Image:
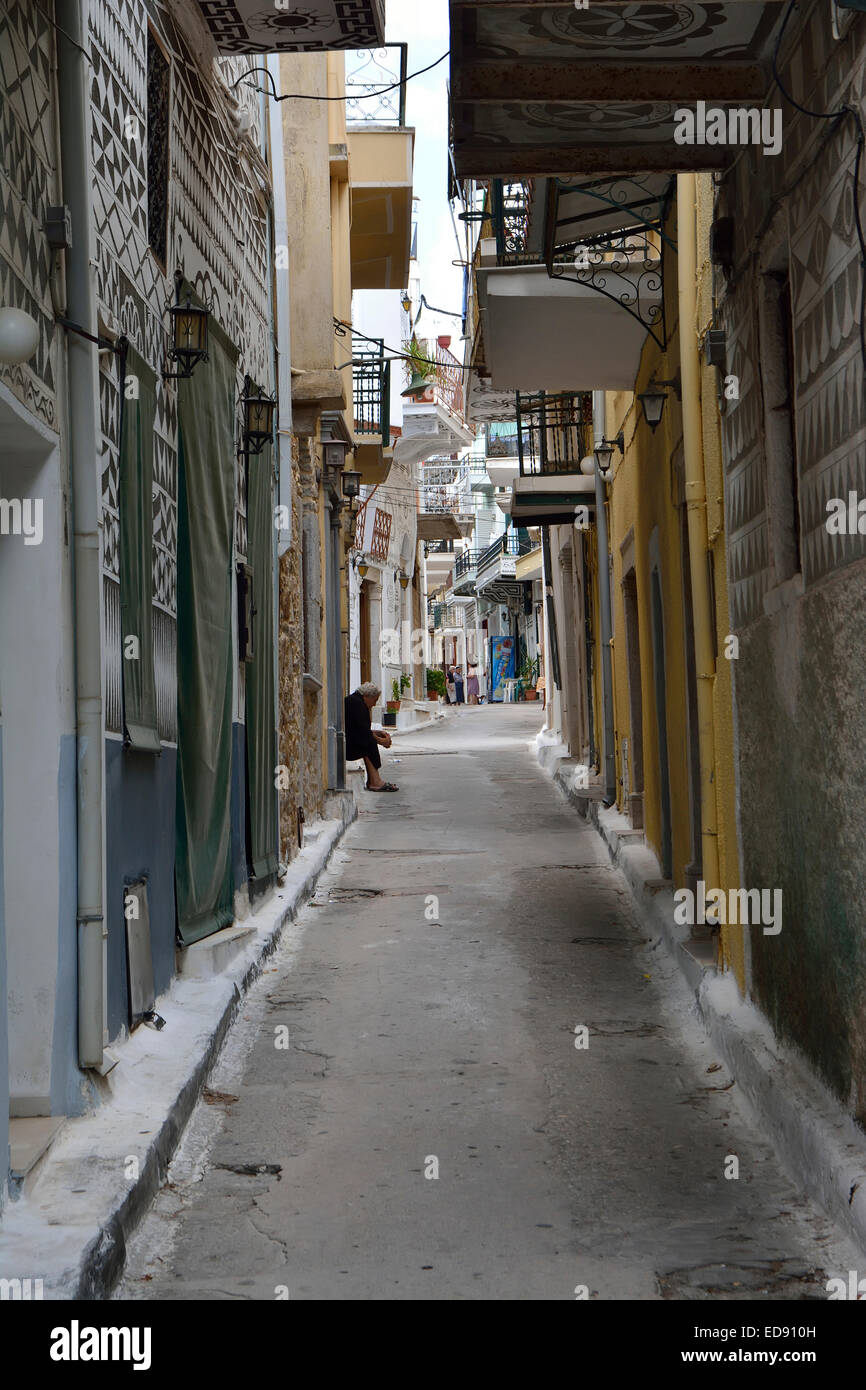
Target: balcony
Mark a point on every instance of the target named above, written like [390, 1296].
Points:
[434, 421]
[546, 88]
[554, 434]
[497, 566]
[371, 391]
[248, 26]
[381, 153]
[439, 513]
[464, 573]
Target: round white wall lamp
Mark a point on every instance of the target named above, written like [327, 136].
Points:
[19, 336]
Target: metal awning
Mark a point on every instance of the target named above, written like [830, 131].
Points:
[551, 500]
[545, 334]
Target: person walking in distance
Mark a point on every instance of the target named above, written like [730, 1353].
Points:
[472, 685]
[459, 698]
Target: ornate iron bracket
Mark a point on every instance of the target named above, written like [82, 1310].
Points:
[624, 263]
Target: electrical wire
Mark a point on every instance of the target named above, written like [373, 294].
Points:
[398, 356]
[305, 96]
[67, 36]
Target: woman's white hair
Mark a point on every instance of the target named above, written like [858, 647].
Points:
[368, 688]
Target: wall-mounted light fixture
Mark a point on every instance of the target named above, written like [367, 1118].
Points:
[189, 332]
[258, 418]
[603, 453]
[402, 577]
[406, 302]
[653, 399]
[351, 483]
[19, 336]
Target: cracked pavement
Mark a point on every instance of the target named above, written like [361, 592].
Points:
[302, 1173]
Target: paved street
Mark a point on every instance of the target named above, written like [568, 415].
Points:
[414, 1043]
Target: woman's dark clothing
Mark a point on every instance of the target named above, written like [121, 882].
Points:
[360, 742]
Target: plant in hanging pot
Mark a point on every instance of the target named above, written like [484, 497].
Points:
[420, 371]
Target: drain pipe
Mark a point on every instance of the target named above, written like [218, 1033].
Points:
[598, 424]
[83, 442]
[696, 514]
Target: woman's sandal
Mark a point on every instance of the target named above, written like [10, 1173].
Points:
[385, 787]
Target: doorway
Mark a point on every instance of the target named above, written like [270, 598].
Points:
[658, 635]
[364, 627]
[635, 699]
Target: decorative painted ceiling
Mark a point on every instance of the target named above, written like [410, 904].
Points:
[546, 88]
[300, 26]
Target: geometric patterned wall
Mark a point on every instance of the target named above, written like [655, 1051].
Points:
[28, 185]
[218, 237]
[811, 182]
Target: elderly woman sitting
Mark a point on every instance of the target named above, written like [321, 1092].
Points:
[361, 740]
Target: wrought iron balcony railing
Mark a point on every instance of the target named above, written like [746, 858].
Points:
[466, 564]
[371, 389]
[510, 207]
[509, 543]
[554, 432]
[368, 72]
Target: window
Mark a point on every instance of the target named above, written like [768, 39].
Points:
[158, 130]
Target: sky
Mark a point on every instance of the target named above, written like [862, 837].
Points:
[423, 24]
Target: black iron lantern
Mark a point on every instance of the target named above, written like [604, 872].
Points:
[258, 418]
[603, 453]
[189, 332]
[653, 404]
[404, 579]
[351, 483]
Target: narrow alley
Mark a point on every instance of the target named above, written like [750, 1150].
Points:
[429, 1127]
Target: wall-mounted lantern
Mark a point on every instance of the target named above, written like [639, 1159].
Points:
[653, 399]
[19, 336]
[351, 483]
[403, 578]
[189, 332]
[258, 418]
[603, 453]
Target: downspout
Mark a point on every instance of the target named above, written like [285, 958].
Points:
[83, 443]
[598, 425]
[696, 514]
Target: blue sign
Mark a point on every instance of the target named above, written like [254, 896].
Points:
[501, 665]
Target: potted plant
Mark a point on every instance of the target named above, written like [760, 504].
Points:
[528, 675]
[394, 703]
[435, 683]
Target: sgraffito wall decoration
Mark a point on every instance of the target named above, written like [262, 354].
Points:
[28, 186]
[216, 233]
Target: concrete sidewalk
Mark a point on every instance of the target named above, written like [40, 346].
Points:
[818, 1143]
[473, 1078]
[70, 1226]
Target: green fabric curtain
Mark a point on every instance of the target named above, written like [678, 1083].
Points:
[206, 489]
[261, 723]
[135, 501]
